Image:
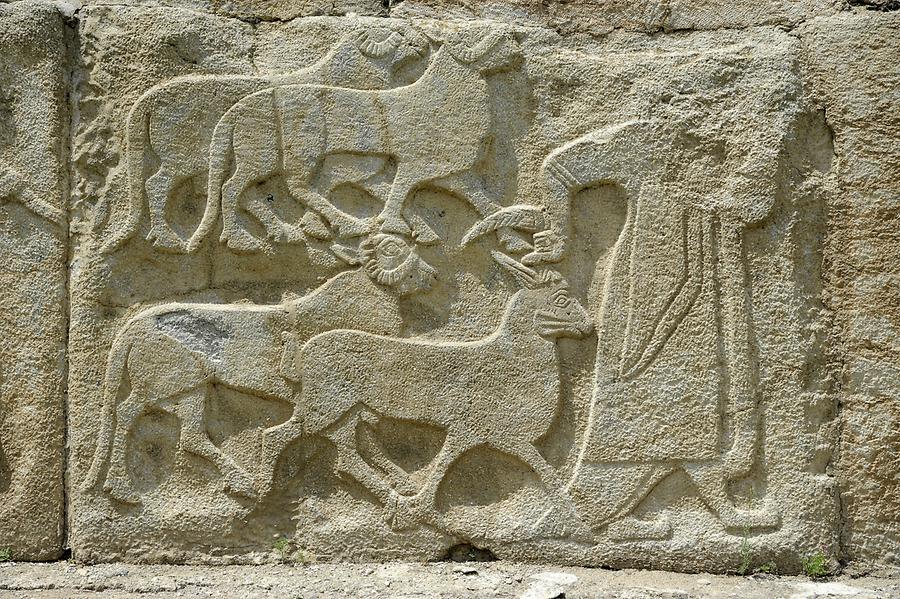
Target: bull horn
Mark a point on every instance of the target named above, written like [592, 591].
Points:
[519, 216]
[373, 49]
[470, 55]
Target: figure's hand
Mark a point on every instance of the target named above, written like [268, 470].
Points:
[548, 247]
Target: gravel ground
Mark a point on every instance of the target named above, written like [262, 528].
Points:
[398, 580]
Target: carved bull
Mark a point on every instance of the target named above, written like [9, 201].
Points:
[172, 354]
[174, 122]
[434, 132]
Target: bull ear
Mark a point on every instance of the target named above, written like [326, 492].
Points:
[525, 276]
[348, 254]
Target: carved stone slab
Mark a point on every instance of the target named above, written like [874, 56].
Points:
[371, 289]
[33, 126]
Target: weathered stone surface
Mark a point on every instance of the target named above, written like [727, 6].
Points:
[254, 11]
[599, 17]
[381, 287]
[853, 63]
[33, 175]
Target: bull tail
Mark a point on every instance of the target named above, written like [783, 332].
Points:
[115, 368]
[136, 134]
[219, 158]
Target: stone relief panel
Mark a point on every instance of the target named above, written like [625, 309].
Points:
[33, 127]
[376, 288]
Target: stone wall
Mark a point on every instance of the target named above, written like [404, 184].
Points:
[595, 283]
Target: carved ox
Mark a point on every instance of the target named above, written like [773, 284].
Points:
[172, 354]
[174, 122]
[433, 131]
[502, 391]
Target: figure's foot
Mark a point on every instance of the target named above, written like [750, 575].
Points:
[239, 483]
[121, 490]
[164, 238]
[633, 529]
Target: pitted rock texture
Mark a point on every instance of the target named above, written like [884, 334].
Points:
[33, 186]
[608, 284]
[864, 256]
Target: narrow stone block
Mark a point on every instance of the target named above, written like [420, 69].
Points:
[33, 184]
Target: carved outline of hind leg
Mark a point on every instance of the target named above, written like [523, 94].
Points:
[422, 507]
[194, 439]
[346, 224]
[351, 464]
[274, 441]
[118, 481]
[159, 187]
[235, 237]
[397, 477]
[553, 484]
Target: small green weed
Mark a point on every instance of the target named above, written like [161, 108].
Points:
[282, 546]
[767, 568]
[289, 552]
[817, 566]
[746, 556]
[5, 554]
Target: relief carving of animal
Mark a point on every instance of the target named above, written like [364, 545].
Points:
[172, 355]
[502, 391]
[174, 122]
[435, 131]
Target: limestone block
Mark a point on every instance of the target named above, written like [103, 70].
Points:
[853, 64]
[254, 11]
[599, 17]
[375, 288]
[33, 144]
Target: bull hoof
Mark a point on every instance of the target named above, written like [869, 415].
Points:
[403, 513]
[121, 491]
[164, 238]
[240, 242]
[240, 484]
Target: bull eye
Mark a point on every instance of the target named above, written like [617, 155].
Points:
[560, 299]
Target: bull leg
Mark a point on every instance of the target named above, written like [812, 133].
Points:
[194, 439]
[351, 464]
[237, 238]
[118, 481]
[274, 441]
[555, 487]
[422, 507]
[346, 224]
[160, 187]
[710, 481]
[391, 217]
[397, 476]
